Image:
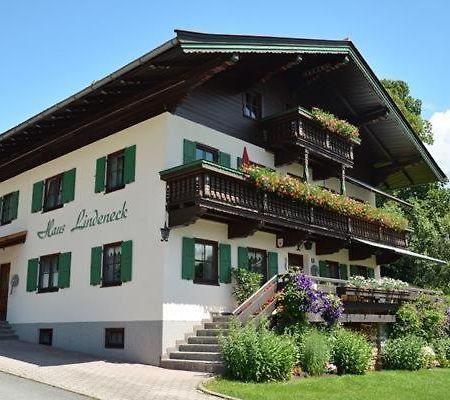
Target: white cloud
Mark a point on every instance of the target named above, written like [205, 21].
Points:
[440, 149]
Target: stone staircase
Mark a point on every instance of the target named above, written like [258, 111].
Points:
[6, 332]
[201, 352]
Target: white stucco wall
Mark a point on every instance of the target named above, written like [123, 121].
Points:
[145, 202]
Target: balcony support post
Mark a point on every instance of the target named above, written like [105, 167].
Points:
[306, 166]
[243, 228]
[343, 185]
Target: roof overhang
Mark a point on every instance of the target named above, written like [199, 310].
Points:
[398, 251]
[159, 80]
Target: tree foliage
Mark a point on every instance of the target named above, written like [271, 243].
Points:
[410, 107]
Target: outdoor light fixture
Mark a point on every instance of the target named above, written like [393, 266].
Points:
[306, 244]
[165, 232]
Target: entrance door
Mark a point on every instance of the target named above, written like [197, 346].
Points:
[4, 287]
[295, 262]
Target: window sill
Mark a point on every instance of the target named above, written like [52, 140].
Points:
[111, 284]
[48, 290]
[202, 282]
[5, 222]
[114, 347]
[45, 209]
[115, 189]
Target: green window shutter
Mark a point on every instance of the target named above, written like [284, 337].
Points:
[100, 170]
[272, 263]
[32, 274]
[64, 270]
[239, 162]
[242, 257]
[353, 270]
[323, 269]
[224, 160]
[96, 265]
[68, 185]
[224, 263]
[371, 272]
[1, 206]
[14, 205]
[343, 272]
[188, 259]
[126, 261]
[38, 194]
[129, 164]
[188, 151]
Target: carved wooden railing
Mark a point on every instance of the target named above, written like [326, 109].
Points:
[296, 127]
[219, 190]
[260, 303]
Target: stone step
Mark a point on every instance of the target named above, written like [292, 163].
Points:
[209, 348]
[9, 337]
[216, 325]
[191, 355]
[212, 332]
[203, 340]
[5, 329]
[221, 318]
[215, 367]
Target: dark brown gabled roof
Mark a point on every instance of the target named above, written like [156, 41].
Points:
[159, 80]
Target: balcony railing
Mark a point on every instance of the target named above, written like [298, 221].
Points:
[207, 190]
[296, 128]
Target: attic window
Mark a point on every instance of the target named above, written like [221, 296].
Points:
[252, 105]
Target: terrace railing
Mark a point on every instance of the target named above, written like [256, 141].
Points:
[213, 191]
[296, 127]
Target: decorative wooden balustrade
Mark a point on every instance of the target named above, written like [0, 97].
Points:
[296, 128]
[207, 190]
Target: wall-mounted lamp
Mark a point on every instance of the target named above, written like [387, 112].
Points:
[306, 244]
[165, 232]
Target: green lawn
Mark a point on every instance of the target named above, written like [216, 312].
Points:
[431, 384]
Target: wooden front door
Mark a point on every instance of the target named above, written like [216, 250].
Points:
[4, 288]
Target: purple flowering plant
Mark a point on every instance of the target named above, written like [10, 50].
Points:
[312, 300]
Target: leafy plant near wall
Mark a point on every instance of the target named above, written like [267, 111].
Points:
[245, 283]
[303, 192]
[404, 353]
[254, 353]
[339, 126]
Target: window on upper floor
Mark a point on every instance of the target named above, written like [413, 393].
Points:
[205, 262]
[252, 107]
[115, 171]
[9, 204]
[53, 193]
[203, 152]
[48, 273]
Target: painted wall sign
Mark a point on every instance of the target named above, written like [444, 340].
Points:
[85, 219]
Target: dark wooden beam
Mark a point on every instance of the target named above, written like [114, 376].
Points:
[371, 116]
[356, 253]
[329, 246]
[185, 216]
[287, 156]
[313, 74]
[243, 228]
[387, 258]
[291, 238]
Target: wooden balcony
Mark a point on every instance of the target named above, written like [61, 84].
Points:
[288, 133]
[207, 190]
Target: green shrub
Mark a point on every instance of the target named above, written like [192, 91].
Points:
[425, 317]
[290, 301]
[245, 283]
[254, 353]
[351, 352]
[404, 353]
[442, 350]
[314, 352]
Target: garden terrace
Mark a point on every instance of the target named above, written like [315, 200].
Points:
[290, 133]
[206, 190]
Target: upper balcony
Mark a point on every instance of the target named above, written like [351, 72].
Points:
[206, 190]
[288, 133]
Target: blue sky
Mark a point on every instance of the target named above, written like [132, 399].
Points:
[50, 49]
